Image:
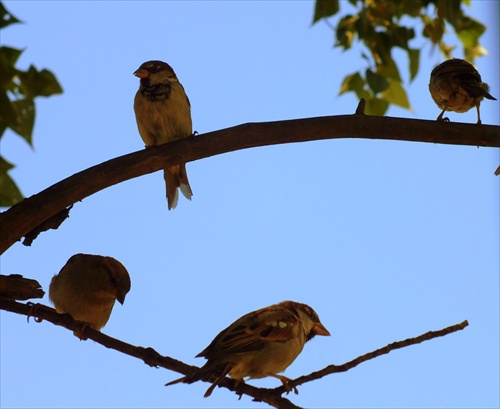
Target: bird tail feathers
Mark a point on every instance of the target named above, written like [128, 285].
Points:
[176, 177]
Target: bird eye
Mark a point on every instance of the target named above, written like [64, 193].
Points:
[112, 279]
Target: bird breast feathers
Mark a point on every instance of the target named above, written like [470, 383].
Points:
[164, 121]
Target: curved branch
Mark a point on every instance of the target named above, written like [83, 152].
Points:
[151, 357]
[31, 212]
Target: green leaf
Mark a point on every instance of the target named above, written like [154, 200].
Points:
[345, 32]
[363, 25]
[395, 94]
[9, 192]
[412, 8]
[38, 83]
[5, 166]
[6, 18]
[380, 45]
[8, 115]
[376, 106]
[10, 55]
[354, 83]
[376, 82]
[434, 29]
[401, 35]
[469, 31]
[8, 58]
[25, 111]
[414, 57]
[325, 8]
[451, 11]
[389, 70]
[471, 53]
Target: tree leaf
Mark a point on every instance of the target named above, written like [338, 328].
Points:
[5, 166]
[433, 29]
[451, 11]
[380, 45]
[376, 82]
[38, 83]
[412, 8]
[471, 53]
[363, 25]
[11, 55]
[6, 18]
[414, 57]
[401, 35]
[354, 83]
[325, 8]
[8, 115]
[25, 112]
[389, 70]
[395, 94]
[8, 58]
[9, 192]
[469, 31]
[376, 106]
[345, 32]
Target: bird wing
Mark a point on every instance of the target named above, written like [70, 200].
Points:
[252, 331]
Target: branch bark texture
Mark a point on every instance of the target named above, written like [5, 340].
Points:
[27, 215]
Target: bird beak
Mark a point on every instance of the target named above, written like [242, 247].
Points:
[121, 299]
[319, 329]
[142, 73]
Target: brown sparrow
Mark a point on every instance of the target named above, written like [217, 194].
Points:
[259, 344]
[163, 114]
[87, 287]
[455, 85]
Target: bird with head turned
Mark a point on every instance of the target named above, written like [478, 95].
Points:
[163, 114]
[87, 286]
[261, 343]
[455, 85]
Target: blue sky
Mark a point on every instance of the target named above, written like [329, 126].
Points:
[385, 240]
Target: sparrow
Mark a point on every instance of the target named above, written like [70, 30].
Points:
[163, 114]
[87, 287]
[455, 85]
[259, 344]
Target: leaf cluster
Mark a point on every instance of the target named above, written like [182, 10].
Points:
[383, 25]
[18, 89]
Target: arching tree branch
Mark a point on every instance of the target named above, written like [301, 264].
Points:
[273, 396]
[31, 212]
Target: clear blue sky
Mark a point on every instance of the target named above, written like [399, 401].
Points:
[385, 240]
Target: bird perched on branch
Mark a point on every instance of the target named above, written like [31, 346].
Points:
[455, 85]
[163, 114]
[87, 286]
[259, 344]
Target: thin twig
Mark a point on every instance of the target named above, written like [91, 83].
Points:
[273, 396]
[330, 369]
[360, 110]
